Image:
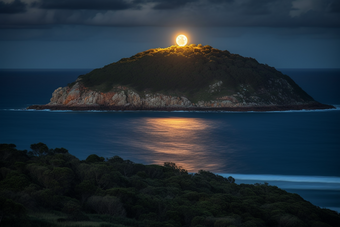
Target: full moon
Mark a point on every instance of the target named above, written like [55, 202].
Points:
[181, 40]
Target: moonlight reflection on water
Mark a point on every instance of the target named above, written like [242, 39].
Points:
[184, 141]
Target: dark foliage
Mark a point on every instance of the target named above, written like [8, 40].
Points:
[122, 193]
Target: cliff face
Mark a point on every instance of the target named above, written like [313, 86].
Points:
[79, 95]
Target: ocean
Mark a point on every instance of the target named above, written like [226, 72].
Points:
[298, 151]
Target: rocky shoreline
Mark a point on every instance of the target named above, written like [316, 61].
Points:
[314, 106]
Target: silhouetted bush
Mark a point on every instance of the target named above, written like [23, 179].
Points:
[94, 158]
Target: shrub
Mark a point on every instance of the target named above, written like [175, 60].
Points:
[94, 158]
[110, 205]
[12, 213]
[39, 149]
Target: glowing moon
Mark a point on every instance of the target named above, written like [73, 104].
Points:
[181, 40]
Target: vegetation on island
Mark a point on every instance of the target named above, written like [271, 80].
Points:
[50, 187]
[188, 71]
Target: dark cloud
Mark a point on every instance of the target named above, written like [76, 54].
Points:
[84, 4]
[116, 4]
[221, 1]
[175, 4]
[257, 7]
[14, 7]
[170, 4]
[335, 6]
[250, 13]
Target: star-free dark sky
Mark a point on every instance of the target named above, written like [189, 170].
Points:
[93, 33]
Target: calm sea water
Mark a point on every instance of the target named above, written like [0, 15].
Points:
[298, 151]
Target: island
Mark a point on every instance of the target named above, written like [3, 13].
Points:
[191, 77]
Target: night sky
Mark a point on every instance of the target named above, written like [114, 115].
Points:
[93, 33]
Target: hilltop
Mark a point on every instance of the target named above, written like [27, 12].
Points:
[193, 76]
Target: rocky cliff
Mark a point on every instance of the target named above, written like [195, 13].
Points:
[182, 77]
[79, 95]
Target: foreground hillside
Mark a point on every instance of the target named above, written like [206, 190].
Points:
[188, 77]
[50, 187]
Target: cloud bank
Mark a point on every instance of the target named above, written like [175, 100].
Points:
[250, 13]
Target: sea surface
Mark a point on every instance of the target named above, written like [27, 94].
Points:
[298, 151]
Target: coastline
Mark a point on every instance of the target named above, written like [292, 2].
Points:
[314, 106]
